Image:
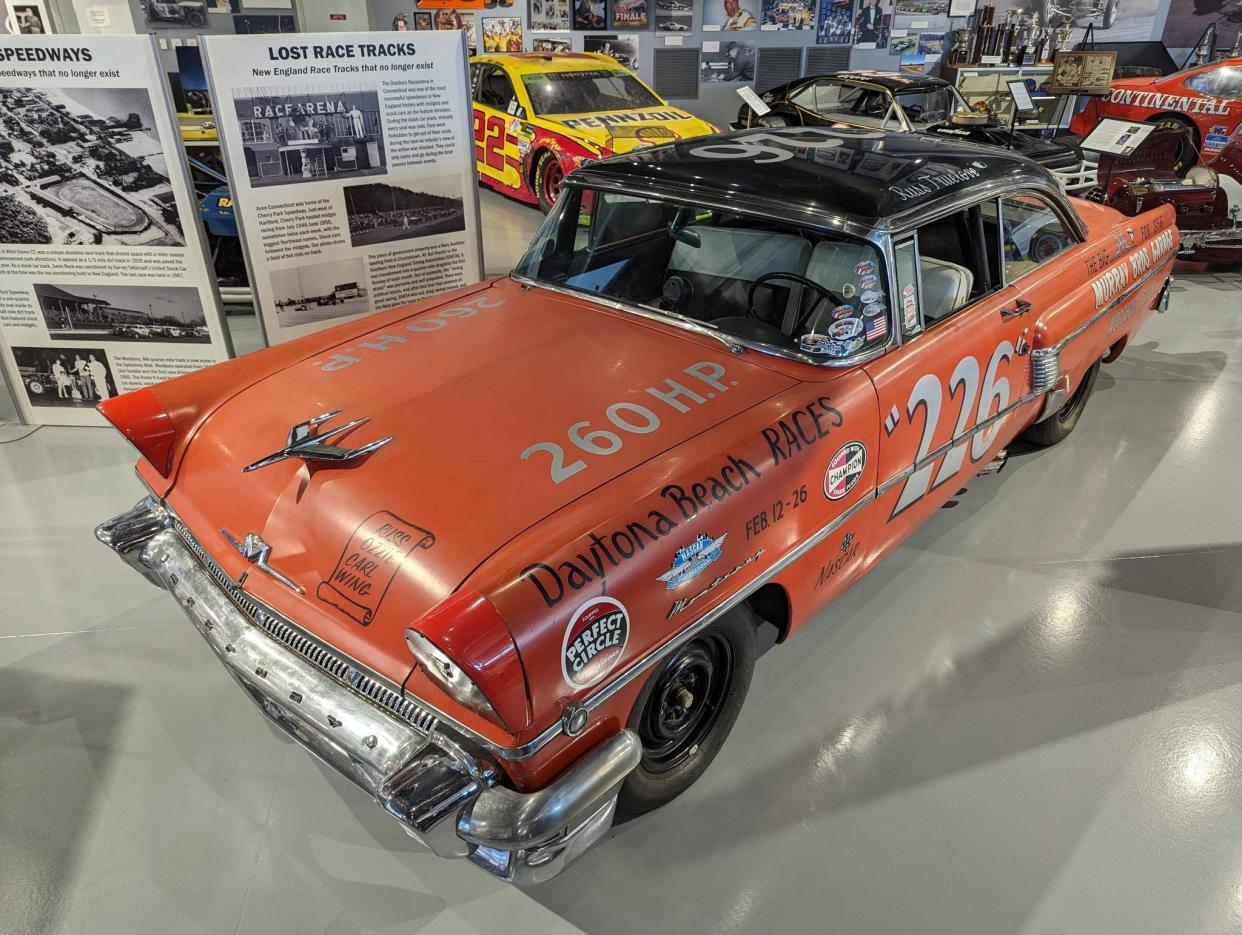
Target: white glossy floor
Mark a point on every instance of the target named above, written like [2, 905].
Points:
[1029, 720]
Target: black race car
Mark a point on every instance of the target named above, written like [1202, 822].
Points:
[911, 104]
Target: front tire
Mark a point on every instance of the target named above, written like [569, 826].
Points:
[1056, 427]
[548, 178]
[1110, 14]
[687, 708]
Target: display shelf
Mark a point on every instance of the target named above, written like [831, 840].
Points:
[986, 83]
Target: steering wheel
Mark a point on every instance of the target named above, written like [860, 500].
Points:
[820, 292]
[913, 111]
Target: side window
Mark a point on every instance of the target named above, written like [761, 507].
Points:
[1032, 234]
[1225, 82]
[496, 90]
[905, 267]
[475, 68]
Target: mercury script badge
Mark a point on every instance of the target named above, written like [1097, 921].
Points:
[254, 550]
[306, 443]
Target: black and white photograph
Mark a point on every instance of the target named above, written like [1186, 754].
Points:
[316, 292]
[30, 18]
[379, 212]
[250, 24]
[549, 15]
[623, 49]
[674, 16]
[155, 314]
[65, 376]
[550, 45]
[734, 62]
[175, 14]
[304, 136]
[81, 166]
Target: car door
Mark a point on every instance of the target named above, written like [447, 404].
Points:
[951, 393]
[496, 106]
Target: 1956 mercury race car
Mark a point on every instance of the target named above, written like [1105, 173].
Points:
[499, 557]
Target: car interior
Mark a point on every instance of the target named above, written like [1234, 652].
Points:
[747, 276]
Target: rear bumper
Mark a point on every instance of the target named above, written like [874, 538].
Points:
[441, 790]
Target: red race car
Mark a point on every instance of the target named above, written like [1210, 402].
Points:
[1205, 100]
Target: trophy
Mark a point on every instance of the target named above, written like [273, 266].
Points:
[1021, 40]
[1061, 39]
[960, 53]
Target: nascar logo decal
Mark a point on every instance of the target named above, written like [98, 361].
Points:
[594, 641]
[844, 469]
[692, 560]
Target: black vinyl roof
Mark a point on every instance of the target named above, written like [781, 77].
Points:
[866, 176]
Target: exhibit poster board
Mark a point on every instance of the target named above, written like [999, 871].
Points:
[1082, 72]
[351, 157]
[1119, 137]
[105, 284]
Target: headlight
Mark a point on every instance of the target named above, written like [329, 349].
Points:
[449, 675]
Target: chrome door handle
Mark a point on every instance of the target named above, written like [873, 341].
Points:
[1020, 308]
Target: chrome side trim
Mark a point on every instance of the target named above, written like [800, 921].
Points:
[1081, 329]
[642, 665]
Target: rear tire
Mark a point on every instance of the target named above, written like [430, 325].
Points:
[1056, 427]
[687, 708]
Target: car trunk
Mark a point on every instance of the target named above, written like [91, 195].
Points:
[376, 542]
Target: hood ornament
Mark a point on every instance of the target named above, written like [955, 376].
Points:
[254, 550]
[306, 443]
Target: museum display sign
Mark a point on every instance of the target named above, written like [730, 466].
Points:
[350, 156]
[105, 286]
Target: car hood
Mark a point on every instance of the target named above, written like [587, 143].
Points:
[483, 401]
[621, 131]
[1042, 151]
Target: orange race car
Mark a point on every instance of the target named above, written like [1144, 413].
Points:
[538, 116]
[499, 557]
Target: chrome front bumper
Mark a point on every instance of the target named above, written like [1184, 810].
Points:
[443, 791]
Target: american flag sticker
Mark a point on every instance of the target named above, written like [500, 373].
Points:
[876, 328]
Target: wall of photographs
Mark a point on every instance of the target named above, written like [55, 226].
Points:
[728, 36]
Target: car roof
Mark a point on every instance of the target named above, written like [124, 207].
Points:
[889, 80]
[539, 62]
[867, 178]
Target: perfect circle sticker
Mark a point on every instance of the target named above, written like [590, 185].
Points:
[594, 641]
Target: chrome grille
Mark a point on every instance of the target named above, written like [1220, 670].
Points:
[310, 650]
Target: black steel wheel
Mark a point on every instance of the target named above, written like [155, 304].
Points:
[687, 708]
[548, 178]
[1056, 427]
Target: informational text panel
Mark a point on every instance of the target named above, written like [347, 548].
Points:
[351, 158]
[104, 283]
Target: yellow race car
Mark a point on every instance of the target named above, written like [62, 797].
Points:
[539, 115]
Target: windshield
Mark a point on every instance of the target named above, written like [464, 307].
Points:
[788, 287]
[580, 92]
[931, 105]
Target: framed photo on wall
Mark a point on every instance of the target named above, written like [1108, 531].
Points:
[30, 18]
[422, 20]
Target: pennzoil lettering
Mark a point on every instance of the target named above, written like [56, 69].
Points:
[680, 605]
[802, 428]
[610, 550]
